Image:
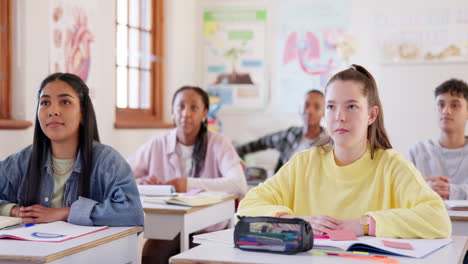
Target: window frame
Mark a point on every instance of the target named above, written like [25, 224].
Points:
[154, 116]
[6, 120]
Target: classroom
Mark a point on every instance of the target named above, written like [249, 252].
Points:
[138, 64]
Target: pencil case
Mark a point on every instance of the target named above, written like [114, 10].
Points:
[273, 234]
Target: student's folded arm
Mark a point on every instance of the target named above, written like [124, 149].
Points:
[458, 191]
[10, 175]
[272, 197]
[419, 212]
[265, 142]
[120, 205]
[233, 182]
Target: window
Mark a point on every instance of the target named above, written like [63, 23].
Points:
[5, 73]
[139, 64]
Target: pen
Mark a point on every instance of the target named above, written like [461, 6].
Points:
[343, 252]
[18, 226]
[381, 259]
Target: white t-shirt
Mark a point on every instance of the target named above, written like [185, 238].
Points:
[185, 157]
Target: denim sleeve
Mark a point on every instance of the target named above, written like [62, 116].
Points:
[10, 172]
[120, 204]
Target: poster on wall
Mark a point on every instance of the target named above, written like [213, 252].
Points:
[307, 37]
[72, 38]
[422, 34]
[234, 57]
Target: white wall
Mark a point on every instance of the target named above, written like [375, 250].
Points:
[406, 89]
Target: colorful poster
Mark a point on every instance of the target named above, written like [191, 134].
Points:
[307, 38]
[72, 38]
[234, 57]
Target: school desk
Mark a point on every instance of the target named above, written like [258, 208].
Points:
[163, 221]
[459, 222]
[215, 253]
[111, 245]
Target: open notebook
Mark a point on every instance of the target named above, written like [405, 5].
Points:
[421, 247]
[201, 199]
[458, 205]
[6, 221]
[51, 232]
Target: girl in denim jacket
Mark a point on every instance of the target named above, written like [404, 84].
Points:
[66, 174]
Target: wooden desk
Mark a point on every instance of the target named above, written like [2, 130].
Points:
[211, 253]
[459, 222]
[112, 245]
[163, 221]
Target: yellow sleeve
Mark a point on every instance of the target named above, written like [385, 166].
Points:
[419, 213]
[274, 196]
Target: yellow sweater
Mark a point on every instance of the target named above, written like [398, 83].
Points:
[388, 188]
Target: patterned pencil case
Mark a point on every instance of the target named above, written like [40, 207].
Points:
[272, 234]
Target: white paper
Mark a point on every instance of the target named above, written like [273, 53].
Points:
[156, 190]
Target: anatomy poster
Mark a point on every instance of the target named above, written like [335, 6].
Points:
[306, 57]
[72, 38]
[234, 56]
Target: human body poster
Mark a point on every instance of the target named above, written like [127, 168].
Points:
[306, 57]
[72, 38]
[234, 56]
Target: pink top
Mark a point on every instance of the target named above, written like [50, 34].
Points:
[157, 158]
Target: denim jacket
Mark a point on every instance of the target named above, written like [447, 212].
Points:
[113, 198]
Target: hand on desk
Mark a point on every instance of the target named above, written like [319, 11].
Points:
[321, 224]
[180, 184]
[148, 180]
[440, 184]
[40, 214]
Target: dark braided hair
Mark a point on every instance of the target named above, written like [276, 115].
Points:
[201, 142]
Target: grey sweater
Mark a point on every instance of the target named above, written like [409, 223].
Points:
[432, 159]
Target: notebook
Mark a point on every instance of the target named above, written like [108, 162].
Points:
[156, 190]
[201, 199]
[189, 199]
[51, 232]
[458, 205]
[421, 247]
[6, 221]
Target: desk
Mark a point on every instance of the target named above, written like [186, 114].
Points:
[212, 253]
[111, 245]
[163, 221]
[459, 222]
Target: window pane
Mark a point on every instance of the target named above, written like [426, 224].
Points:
[134, 17]
[146, 14]
[122, 11]
[134, 49]
[122, 45]
[133, 90]
[122, 87]
[145, 90]
[145, 50]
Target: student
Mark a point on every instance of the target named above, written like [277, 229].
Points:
[358, 182]
[188, 157]
[294, 139]
[444, 161]
[66, 174]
